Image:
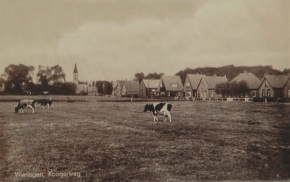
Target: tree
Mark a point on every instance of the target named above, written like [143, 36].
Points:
[99, 85]
[234, 88]
[139, 77]
[243, 86]
[107, 88]
[48, 75]
[154, 75]
[63, 88]
[223, 88]
[17, 78]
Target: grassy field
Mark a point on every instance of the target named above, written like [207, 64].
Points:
[110, 141]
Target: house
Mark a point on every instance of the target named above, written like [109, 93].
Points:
[170, 86]
[274, 86]
[191, 83]
[252, 81]
[148, 88]
[130, 88]
[206, 88]
[92, 90]
[117, 87]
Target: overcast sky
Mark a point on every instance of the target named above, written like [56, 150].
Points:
[114, 39]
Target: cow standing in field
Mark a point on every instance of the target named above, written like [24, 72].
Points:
[156, 108]
[44, 102]
[23, 104]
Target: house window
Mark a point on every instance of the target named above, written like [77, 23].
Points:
[254, 94]
[263, 93]
[174, 85]
[266, 83]
[268, 93]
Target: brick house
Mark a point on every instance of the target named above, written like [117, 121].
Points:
[274, 86]
[207, 86]
[191, 84]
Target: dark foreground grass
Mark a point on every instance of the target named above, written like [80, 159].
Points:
[107, 141]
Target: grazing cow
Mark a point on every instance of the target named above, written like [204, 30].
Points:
[156, 108]
[44, 102]
[23, 104]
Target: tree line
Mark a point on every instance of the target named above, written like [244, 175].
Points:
[18, 80]
[232, 71]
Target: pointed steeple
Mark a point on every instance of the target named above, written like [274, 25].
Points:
[75, 70]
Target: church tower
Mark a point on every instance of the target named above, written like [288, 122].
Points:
[76, 75]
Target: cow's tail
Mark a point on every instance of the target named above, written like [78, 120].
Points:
[169, 106]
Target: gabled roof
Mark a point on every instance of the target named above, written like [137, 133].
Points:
[131, 85]
[253, 81]
[151, 83]
[194, 80]
[277, 81]
[120, 83]
[212, 81]
[169, 80]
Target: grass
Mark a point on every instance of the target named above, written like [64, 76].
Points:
[109, 141]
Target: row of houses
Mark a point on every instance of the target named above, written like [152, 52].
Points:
[200, 86]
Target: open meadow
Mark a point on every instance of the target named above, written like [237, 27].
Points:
[116, 141]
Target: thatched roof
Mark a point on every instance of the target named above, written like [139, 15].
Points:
[253, 81]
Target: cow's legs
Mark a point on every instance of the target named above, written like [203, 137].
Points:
[154, 117]
[168, 115]
[31, 108]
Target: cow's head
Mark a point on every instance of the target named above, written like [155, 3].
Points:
[148, 107]
[17, 109]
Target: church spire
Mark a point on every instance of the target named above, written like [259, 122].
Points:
[75, 70]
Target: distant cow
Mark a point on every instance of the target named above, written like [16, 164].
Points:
[44, 102]
[23, 104]
[156, 108]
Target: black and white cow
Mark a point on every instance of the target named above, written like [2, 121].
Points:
[44, 102]
[23, 104]
[156, 108]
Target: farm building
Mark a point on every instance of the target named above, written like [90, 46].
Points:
[191, 84]
[275, 86]
[253, 83]
[206, 88]
[130, 88]
[117, 87]
[170, 86]
[148, 88]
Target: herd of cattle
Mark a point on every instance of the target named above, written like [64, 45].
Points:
[154, 108]
[32, 104]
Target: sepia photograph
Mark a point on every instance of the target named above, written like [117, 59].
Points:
[144, 90]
